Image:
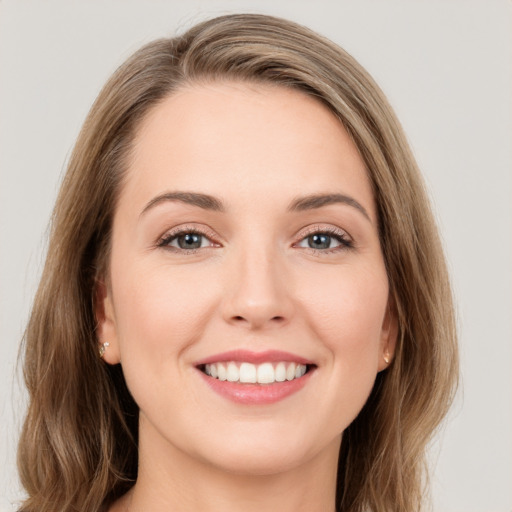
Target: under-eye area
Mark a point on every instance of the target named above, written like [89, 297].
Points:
[249, 373]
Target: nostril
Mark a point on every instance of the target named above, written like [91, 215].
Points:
[258, 319]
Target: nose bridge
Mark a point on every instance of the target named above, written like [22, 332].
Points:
[259, 295]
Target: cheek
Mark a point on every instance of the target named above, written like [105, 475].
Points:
[346, 308]
[159, 309]
[160, 313]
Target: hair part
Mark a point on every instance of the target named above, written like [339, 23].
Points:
[78, 448]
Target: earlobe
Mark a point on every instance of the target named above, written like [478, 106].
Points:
[106, 331]
[389, 335]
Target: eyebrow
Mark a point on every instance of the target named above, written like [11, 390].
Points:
[314, 201]
[204, 201]
[207, 202]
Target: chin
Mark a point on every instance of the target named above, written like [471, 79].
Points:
[263, 453]
[253, 462]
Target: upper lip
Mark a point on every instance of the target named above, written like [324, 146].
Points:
[247, 356]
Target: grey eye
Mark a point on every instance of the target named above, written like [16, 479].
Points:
[187, 241]
[320, 241]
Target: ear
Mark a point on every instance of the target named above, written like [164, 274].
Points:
[389, 334]
[106, 329]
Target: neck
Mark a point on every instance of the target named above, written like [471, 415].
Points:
[170, 479]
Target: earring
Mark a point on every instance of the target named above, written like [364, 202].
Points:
[386, 357]
[103, 348]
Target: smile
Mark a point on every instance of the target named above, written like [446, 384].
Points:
[255, 378]
[249, 373]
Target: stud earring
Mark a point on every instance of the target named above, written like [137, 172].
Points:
[103, 348]
[386, 357]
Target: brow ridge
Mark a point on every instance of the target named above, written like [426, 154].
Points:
[208, 202]
[313, 201]
[203, 201]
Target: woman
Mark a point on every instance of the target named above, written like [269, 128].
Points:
[244, 238]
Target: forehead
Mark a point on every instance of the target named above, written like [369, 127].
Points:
[244, 139]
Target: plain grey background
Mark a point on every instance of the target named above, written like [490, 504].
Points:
[446, 67]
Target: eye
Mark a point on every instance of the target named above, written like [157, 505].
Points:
[326, 240]
[185, 240]
[188, 241]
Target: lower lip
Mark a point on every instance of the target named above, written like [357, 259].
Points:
[256, 394]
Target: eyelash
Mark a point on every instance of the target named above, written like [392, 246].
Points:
[339, 235]
[164, 241]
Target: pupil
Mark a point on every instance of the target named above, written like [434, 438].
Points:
[319, 241]
[189, 241]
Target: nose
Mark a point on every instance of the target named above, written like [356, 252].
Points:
[259, 294]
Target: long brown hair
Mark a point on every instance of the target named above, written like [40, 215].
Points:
[78, 448]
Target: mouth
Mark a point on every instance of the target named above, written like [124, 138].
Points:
[256, 378]
[250, 373]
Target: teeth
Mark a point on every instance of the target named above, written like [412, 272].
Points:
[290, 372]
[265, 373]
[221, 371]
[247, 372]
[300, 371]
[280, 372]
[233, 374]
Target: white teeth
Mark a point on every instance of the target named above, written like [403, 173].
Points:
[265, 373]
[290, 372]
[233, 374]
[280, 372]
[221, 371]
[247, 372]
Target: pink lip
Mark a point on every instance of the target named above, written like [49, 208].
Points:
[256, 394]
[247, 356]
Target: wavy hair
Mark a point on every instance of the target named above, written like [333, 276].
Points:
[78, 448]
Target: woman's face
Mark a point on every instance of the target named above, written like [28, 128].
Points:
[245, 251]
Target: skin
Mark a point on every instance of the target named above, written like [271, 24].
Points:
[255, 284]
